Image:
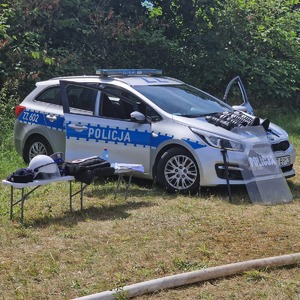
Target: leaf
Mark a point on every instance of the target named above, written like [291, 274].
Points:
[35, 54]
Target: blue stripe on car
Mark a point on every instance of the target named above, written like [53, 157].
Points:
[32, 117]
[194, 144]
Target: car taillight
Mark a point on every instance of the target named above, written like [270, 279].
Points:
[18, 110]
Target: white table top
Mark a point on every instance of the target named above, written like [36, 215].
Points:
[37, 182]
[120, 168]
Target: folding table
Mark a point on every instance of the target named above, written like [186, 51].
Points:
[34, 185]
[28, 188]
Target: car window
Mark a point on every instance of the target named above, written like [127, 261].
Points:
[236, 93]
[183, 100]
[152, 114]
[81, 99]
[50, 95]
[118, 103]
[112, 106]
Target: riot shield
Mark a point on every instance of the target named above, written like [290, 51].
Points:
[265, 181]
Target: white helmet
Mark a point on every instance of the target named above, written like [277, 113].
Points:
[44, 167]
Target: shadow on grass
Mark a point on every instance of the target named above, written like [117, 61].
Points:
[99, 213]
[119, 208]
[239, 194]
[295, 189]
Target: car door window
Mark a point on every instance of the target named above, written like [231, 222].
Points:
[82, 99]
[111, 107]
[50, 96]
[118, 103]
[152, 115]
[235, 93]
[115, 104]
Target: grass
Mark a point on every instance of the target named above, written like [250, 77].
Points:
[59, 254]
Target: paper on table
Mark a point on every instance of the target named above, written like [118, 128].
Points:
[135, 167]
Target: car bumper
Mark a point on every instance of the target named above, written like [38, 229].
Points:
[19, 137]
[213, 170]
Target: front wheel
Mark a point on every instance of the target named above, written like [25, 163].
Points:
[35, 146]
[177, 171]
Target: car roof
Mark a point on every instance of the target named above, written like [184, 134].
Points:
[129, 80]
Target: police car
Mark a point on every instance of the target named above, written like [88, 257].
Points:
[176, 131]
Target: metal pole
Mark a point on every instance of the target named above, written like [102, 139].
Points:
[224, 153]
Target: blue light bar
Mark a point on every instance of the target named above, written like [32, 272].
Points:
[110, 72]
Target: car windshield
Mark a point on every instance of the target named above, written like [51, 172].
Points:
[183, 100]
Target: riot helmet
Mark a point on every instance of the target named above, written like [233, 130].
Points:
[44, 167]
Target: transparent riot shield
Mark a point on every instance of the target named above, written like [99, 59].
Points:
[265, 181]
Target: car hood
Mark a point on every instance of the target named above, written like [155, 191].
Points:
[274, 132]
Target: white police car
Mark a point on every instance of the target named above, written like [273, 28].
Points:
[176, 131]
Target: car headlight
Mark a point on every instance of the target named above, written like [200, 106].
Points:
[219, 142]
[222, 143]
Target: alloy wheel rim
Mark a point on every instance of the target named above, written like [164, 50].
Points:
[37, 149]
[181, 172]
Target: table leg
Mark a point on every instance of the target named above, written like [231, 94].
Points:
[128, 185]
[22, 206]
[118, 184]
[81, 195]
[80, 191]
[11, 201]
[71, 196]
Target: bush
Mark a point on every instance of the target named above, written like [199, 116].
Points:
[8, 100]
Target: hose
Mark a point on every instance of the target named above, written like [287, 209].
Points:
[141, 288]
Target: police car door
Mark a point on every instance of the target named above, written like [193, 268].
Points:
[107, 125]
[231, 87]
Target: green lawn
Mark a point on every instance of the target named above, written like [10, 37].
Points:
[59, 254]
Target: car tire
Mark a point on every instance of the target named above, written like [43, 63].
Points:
[177, 171]
[35, 146]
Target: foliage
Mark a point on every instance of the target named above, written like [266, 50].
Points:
[257, 40]
[8, 94]
[202, 42]
[261, 42]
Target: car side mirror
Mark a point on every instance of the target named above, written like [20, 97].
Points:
[240, 108]
[136, 116]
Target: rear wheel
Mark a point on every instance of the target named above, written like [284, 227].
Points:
[35, 146]
[177, 171]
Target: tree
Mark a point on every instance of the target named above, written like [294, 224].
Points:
[202, 42]
[261, 43]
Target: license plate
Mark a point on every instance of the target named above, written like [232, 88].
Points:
[283, 161]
